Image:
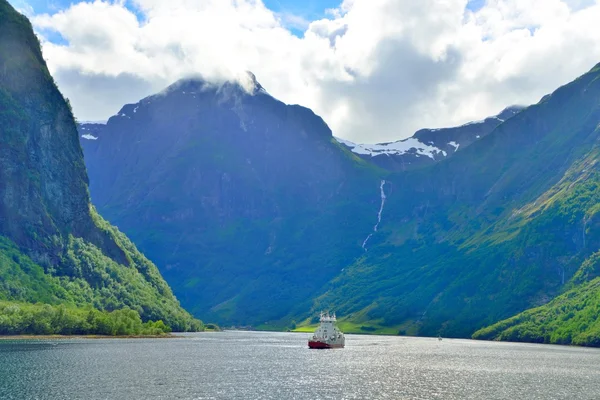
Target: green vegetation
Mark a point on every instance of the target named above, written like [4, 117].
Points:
[95, 280]
[572, 318]
[63, 269]
[347, 326]
[24, 280]
[211, 328]
[45, 319]
[502, 226]
[305, 328]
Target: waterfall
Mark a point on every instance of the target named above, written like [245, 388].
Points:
[365, 242]
[364, 245]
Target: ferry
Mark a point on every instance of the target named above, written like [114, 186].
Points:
[327, 336]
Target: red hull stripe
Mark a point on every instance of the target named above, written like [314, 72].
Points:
[321, 345]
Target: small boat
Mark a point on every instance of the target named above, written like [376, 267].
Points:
[327, 336]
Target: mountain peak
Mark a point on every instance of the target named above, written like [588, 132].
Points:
[245, 81]
[249, 82]
[192, 86]
[510, 111]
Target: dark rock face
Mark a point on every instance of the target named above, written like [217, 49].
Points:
[428, 146]
[44, 200]
[43, 183]
[239, 196]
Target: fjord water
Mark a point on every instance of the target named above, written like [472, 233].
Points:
[258, 365]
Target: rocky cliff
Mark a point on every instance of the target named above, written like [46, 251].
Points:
[46, 218]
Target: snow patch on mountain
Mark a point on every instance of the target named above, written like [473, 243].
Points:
[394, 148]
[89, 137]
[419, 146]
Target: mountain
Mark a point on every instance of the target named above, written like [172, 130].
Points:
[250, 204]
[428, 146]
[54, 247]
[503, 225]
[571, 319]
[260, 217]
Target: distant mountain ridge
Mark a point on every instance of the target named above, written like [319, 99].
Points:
[428, 146]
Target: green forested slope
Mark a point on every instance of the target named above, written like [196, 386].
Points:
[501, 227]
[54, 248]
[571, 318]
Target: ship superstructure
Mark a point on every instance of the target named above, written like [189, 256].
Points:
[327, 336]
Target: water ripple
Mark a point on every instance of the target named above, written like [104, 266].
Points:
[257, 365]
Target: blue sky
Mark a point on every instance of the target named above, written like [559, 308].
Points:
[308, 9]
[294, 13]
[41, 6]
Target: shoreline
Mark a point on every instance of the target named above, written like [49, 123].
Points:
[65, 337]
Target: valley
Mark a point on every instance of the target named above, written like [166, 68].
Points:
[261, 217]
[254, 213]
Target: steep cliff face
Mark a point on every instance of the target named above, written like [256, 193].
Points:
[249, 203]
[40, 192]
[43, 185]
[44, 200]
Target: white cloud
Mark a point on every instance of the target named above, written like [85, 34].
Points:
[376, 70]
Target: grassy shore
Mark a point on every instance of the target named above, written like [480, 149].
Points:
[364, 328]
[351, 327]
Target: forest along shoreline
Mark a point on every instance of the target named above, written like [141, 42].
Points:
[64, 337]
[171, 335]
